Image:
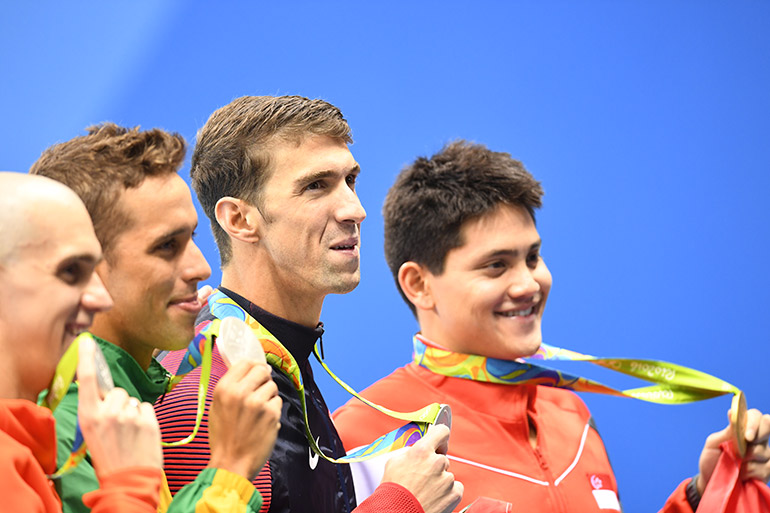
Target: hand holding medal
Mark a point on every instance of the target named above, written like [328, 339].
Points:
[120, 431]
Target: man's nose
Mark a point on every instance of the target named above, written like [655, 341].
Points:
[95, 296]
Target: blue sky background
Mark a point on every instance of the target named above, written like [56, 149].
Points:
[647, 123]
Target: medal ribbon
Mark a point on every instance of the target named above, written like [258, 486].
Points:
[221, 306]
[674, 384]
[198, 353]
[62, 378]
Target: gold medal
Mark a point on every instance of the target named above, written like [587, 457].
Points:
[738, 422]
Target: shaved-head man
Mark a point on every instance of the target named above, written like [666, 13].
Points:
[50, 290]
[48, 253]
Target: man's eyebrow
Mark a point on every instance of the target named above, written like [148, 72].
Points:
[312, 177]
[86, 258]
[512, 252]
[182, 230]
[320, 175]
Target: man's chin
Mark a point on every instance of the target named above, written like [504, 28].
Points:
[344, 283]
[344, 288]
[522, 349]
[177, 340]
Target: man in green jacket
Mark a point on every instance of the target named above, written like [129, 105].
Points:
[144, 218]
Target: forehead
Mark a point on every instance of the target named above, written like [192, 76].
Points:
[62, 234]
[158, 207]
[160, 204]
[507, 227]
[291, 160]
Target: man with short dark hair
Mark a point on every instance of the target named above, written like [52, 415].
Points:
[50, 295]
[143, 214]
[461, 242]
[277, 180]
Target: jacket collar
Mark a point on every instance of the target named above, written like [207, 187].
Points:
[129, 375]
[298, 339]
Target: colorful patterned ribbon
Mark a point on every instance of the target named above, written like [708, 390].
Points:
[221, 307]
[198, 354]
[675, 384]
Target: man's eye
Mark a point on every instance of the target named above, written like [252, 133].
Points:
[351, 181]
[496, 265]
[314, 186]
[70, 274]
[168, 247]
[533, 259]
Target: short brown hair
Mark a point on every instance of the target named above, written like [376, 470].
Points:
[232, 152]
[99, 166]
[432, 199]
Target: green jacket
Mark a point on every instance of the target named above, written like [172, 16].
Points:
[216, 489]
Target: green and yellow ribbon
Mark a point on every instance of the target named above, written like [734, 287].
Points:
[674, 384]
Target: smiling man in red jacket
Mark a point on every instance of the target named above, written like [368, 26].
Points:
[461, 242]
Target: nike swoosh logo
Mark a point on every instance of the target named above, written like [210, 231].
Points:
[313, 456]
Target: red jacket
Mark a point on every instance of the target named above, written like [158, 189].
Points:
[28, 453]
[489, 448]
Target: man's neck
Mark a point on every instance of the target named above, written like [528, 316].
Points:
[11, 388]
[138, 351]
[276, 298]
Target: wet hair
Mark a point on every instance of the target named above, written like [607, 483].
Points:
[433, 198]
[101, 165]
[233, 149]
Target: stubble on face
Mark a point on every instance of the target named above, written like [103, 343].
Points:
[309, 237]
[153, 270]
[312, 207]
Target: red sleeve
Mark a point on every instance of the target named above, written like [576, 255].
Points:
[677, 502]
[390, 497]
[129, 490]
[23, 484]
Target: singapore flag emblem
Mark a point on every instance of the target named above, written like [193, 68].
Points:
[605, 496]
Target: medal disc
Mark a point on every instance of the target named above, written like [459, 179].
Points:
[103, 374]
[738, 422]
[236, 342]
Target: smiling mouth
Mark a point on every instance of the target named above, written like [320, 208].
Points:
[517, 313]
[190, 304]
[344, 246]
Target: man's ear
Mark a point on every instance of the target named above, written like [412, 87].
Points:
[414, 280]
[238, 219]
